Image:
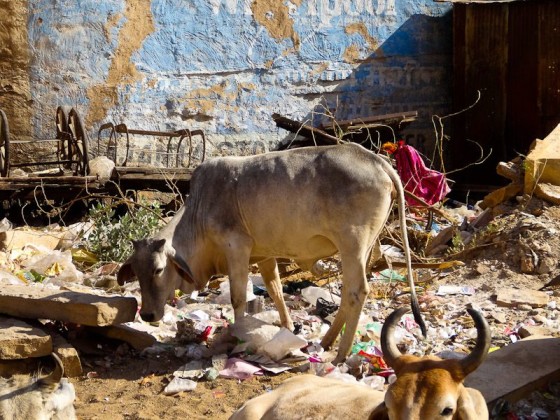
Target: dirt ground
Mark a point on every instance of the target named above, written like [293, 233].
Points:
[119, 383]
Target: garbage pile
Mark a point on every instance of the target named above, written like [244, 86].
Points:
[500, 257]
[513, 250]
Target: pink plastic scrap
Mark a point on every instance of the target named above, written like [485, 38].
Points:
[239, 369]
[425, 183]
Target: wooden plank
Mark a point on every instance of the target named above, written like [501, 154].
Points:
[549, 66]
[485, 69]
[522, 118]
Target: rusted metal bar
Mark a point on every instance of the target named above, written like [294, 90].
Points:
[122, 129]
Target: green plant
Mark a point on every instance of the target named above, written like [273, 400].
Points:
[111, 236]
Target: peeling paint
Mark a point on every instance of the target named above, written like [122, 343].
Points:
[275, 17]
[15, 89]
[138, 26]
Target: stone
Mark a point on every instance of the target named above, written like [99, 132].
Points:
[482, 268]
[548, 192]
[499, 316]
[19, 340]
[139, 340]
[68, 356]
[547, 265]
[443, 237]
[500, 195]
[102, 167]
[511, 170]
[542, 164]
[512, 297]
[67, 306]
[527, 263]
[511, 372]
[534, 330]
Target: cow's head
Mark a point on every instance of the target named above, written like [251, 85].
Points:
[160, 272]
[430, 387]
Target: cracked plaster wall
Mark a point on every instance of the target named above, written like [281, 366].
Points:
[223, 66]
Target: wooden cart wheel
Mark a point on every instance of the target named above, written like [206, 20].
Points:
[63, 133]
[4, 145]
[79, 144]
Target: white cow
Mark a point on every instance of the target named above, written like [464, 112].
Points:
[48, 398]
[304, 204]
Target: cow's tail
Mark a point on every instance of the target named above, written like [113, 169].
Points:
[402, 220]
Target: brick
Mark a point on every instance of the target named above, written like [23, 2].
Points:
[19, 340]
[139, 340]
[516, 370]
[512, 297]
[68, 306]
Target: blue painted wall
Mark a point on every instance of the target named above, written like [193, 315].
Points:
[224, 66]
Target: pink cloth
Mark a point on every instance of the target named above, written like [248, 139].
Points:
[423, 182]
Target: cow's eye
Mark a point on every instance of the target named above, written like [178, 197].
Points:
[447, 411]
[158, 271]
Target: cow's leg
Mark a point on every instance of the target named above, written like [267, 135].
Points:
[271, 277]
[237, 255]
[354, 293]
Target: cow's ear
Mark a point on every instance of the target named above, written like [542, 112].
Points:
[380, 413]
[182, 267]
[158, 245]
[125, 273]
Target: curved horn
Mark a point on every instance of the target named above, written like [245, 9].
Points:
[390, 350]
[56, 375]
[478, 354]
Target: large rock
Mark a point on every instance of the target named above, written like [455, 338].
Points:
[19, 340]
[68, 306]
[542, 164]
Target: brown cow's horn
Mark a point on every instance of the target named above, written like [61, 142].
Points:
[478, 354]
[390, 350]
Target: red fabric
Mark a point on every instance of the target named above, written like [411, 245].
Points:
[423, 182]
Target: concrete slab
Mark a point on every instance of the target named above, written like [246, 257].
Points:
[19, 340]
[68, 306]
[516, 370]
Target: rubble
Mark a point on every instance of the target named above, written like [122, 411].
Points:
[19, 340]
[65, 305]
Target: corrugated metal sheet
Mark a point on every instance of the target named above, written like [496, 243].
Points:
[510, 52]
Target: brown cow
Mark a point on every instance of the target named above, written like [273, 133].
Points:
[304, 204]
[426, 388]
